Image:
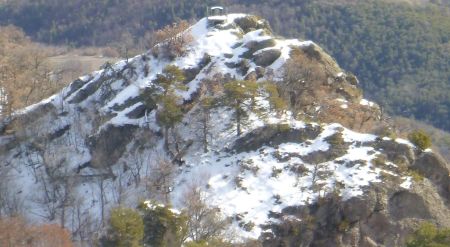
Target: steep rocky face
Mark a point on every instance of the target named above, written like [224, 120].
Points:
[301, 175]
[383, 216]
[317, 89]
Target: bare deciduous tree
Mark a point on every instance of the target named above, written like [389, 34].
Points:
[171, 41]
[136, 163]
[160, 180]
[119, 186]
[303, 78]
[11, 202]
[204, 222]
[203, 123]
[56, 182]
[100, 181]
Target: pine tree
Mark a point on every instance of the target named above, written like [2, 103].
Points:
[204, 115]
[420, 138]
[126, 228]
[171, 79]
[162, 226]
[276, 102]
[161, 94]
[240, 96]
[164, 84]
[168, 115]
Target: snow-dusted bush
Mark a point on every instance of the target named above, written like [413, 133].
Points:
[420, 138]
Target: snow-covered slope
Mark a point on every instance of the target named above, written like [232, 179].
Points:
[98, 133]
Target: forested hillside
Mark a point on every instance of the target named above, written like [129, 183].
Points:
[399, 51]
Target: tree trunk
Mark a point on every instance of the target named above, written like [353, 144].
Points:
[238, 117]
[166, 138]
[205, 132]
[102, 200]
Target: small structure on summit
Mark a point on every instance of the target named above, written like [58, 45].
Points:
[216, 15]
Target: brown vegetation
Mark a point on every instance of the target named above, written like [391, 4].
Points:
[315, 90]
[30, 72]
[26, 76]
[171, 41]
[15, 232]
[305, 83]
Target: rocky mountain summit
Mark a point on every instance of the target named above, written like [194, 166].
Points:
[296, 171]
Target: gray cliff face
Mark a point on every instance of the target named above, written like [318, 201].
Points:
[309, 181]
